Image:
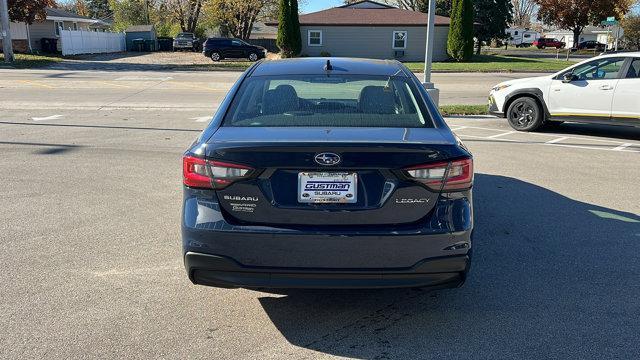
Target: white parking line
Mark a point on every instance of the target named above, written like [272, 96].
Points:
[143, 78]
[499, 135]
[553, 141]
[202, 118]
[622, 147]
[52, 117]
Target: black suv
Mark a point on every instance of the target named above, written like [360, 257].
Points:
[220, 48]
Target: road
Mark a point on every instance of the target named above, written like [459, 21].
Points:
[57, 89]
[90, 240]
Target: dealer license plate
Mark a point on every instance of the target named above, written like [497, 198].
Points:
[327, 187]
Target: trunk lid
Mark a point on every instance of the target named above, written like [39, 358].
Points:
[384, 195]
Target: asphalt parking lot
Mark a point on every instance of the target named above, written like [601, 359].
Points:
[90, 239]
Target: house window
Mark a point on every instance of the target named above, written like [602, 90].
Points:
[75, 26]
[58, 25]
[515, 32]
[315, 38]
[399, 39]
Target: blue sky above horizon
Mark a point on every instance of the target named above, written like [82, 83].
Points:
[317, 5]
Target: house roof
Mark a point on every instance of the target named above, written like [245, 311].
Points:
[140, 28]
[60, 14]
[354, 16]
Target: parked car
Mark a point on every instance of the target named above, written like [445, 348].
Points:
[186, 41]
[309, 177]
[222, 48]
[603, 90]
[592, 44]
[542, 43]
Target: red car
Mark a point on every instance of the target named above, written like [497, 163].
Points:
[551, 43]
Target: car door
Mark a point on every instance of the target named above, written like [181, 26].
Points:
[237, 49]
[589, 96]
[626, 98]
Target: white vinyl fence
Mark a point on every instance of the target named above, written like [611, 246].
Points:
[91, 42]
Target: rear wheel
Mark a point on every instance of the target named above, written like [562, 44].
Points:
[253, 57]
[524, 114]
[215, 56]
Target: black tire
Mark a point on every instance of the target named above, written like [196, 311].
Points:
[216, 56]
[253, 56]
[525, 114]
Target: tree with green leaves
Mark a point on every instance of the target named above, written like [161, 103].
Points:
[99, 9]
[631, 27]
[296, 38]
[575, 15]
[289, 39]
[460, 39]
[493, 17]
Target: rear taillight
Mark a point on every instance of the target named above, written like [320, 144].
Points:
[209, 174]
[448, 176]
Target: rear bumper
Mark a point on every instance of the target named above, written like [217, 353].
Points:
[219, 271]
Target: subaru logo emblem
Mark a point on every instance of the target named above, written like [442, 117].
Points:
[327, 158]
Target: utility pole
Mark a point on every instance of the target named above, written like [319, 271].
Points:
[7, 47]
[428, 54]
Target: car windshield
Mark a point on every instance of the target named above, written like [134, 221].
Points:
[185, 35]
[327, 100]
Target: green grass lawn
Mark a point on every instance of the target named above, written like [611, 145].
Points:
[447, 110]
[495, 63]
[24, 61]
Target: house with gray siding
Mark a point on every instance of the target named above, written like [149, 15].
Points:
[49, 28]
[368, 29]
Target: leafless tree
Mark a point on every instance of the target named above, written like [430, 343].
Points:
[187, 13]
[523, 12]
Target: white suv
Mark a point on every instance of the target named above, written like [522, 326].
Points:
[604, 89]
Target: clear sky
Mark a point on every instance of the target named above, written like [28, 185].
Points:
[316, 5]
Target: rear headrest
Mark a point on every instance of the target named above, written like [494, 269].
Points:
[376, 100]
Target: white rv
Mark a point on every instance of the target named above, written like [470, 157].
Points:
[521, 37]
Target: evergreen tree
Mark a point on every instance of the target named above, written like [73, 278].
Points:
[296, 39]
[493, 17]
[283, 40]
[460, 40]
[289, 40]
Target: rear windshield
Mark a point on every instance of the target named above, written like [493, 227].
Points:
[327, 101]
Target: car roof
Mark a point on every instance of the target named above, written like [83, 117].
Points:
[621, 53]
[316, 66]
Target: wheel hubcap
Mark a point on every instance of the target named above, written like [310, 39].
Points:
[523, 114]
[253, 57]
[215, 56]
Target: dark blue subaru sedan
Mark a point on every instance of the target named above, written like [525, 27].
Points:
[319, 173]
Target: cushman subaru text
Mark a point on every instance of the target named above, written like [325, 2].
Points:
[318, 173]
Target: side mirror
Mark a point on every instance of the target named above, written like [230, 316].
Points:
[568, 77]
